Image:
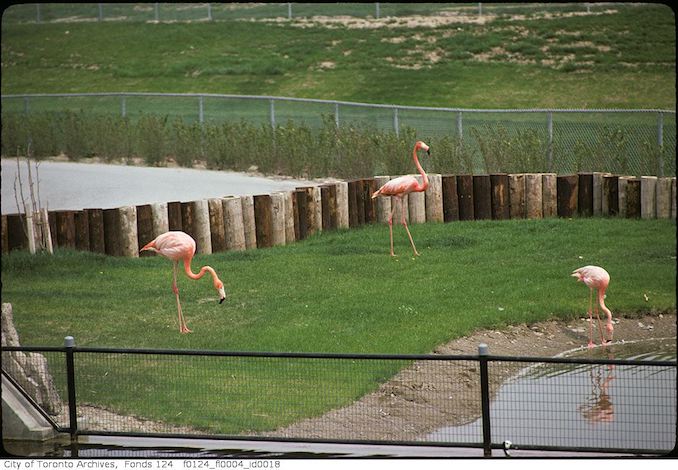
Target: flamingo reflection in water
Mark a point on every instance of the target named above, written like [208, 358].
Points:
[598, 407]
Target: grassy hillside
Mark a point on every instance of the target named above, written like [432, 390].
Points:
[617, 57]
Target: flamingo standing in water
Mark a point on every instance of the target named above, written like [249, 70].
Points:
[596, 277]
[401, 187]
[179, 246]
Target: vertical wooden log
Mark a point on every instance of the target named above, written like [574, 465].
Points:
[248, 221]
[342, 205]
[360, 200]
[317, 215]
[383, 202]
[234, 228]
[450, 198]
[465, 192]
[633, 198]
[585, 197]
[328, 193]
[499, 186]
[353, 217]
[215, 207]
[16, 237]
[610, 197]
[263, 216]
[300, 214]
[534, 204]
[5, 239]
[160, 218]
[369, 187]
[598, 193]
[549, 195]
[434, 198]
[482, 197]
[129, 240]
[290, 236]
[648, 195]
[568, 194]
[145, 227]
[30, 235]
[517, 209]
[112, 232]
[663, 198]
[95, 220]
[174, 216]
[622, 184]
[277, 219]
[201, 226]
[65, 224]
[416, 204]
[187, 221]
[81, 230]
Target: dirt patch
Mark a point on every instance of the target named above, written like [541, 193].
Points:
[407, 407]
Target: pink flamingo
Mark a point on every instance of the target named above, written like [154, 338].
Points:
[596, 277]
[401, 187]
[179, 246]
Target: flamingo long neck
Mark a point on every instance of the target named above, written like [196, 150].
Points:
[424, 186]
[601, 301]
[201, 273]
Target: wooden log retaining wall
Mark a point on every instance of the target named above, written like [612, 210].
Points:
[266, 220]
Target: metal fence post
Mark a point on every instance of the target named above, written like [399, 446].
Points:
[209, 12]
[336, 115]
[272, 112]
[123, 106]
[38, 19]
[157, 13]
[101, 12]
[483, 352]
[69, 344]
[549, 125]
[201, 109]
[377, 12]
[660, 143]
[289, 11]
[460, 127]
[396, 124]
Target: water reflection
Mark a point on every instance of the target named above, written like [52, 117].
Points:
[585, 405]
[598, 407]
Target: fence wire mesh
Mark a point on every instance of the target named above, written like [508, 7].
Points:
[148, 12]
[190, 126]
[427, 400]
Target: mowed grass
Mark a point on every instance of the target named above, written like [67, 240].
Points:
[617, 57]
[336, 292]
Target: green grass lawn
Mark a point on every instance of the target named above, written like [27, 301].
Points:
[335, 292]
[624, 58]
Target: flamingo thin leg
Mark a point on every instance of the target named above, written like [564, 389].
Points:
[390, 224]
[182, 323]
[408, 230]
[591, 344]
[600, 326]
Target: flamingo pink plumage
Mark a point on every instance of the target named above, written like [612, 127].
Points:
[401, 187]
[179, 246]
[597, 278]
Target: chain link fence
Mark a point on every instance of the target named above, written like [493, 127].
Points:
[170, 12]
[627, 142]
[588, 404]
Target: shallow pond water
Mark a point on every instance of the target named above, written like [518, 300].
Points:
[585, 405]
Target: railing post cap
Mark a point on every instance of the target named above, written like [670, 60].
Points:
[483, 349]
[69, 341]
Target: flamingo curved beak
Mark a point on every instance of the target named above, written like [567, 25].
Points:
[222, 294]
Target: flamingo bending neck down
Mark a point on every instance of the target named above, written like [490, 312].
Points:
[179, 246]
[597, 278]
[401, 187]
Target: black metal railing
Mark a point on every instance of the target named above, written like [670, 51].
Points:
[481, 401]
